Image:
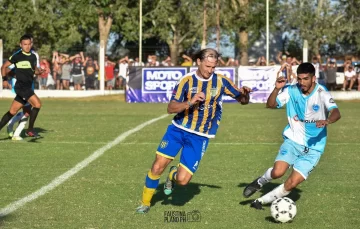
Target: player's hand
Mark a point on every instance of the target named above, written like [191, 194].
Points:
[280, 82]
[321, 123]
[199, 97]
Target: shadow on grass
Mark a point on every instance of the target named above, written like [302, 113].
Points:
[294, 194]
[30, 139]
[180, 195]
[39, 131]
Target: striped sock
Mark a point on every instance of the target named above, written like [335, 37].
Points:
[151, 183]
[172, 174]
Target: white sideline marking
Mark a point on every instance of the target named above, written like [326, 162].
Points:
[65, 176]
[212, 143]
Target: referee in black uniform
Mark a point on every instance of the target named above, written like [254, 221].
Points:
[25, 65]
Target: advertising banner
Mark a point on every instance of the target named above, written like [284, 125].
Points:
[260, 79]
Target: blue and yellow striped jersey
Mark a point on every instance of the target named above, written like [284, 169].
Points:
[203, 118]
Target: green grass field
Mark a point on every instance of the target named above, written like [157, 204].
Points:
[105, 193]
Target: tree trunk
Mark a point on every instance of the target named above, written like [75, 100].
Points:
[243, 45]
[203, 42]
[243, 34]
[218, 25]
[104, 27]
[174, 47]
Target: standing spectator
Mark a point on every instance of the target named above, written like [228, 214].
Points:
[316, 62]
[66, 67]
[109, 73]
[261, 61]
[45, 66]
[90, 68]
[123, 71]
[350, 76]
[57, 66]
[77, 74]
[330, 71]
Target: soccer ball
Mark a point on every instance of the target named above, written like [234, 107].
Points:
[283, 210]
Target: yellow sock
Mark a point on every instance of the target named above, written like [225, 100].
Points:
[151, 183]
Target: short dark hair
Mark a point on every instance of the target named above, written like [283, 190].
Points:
[25, 37]
[306, 68]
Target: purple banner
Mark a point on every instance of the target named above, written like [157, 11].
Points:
[260, 79]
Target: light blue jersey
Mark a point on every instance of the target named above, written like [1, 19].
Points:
[303, 112]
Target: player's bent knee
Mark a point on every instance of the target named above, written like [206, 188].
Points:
[277, 173]
[182, 182]
[157, 169]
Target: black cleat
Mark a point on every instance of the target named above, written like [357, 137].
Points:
[257, 205]
[251, 188]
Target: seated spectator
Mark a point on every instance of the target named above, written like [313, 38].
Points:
[167, 62]
[252, 61]
[232, 62]
[137, 63]
[187, 61]
[350, 77]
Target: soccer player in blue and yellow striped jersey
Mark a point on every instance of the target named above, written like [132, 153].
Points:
[197, 103]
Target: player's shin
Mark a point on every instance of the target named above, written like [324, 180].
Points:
[266, 178]
[15, 119]
[151, 183]
[33, 114]
[276, 193]
[5, 119]
[21, 126]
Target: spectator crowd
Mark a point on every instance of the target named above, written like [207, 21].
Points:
[81, 72]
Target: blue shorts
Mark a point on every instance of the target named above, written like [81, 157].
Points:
[300, 157]
[193, 147]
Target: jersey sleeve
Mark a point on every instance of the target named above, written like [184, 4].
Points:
[229, 88]
[14, 58]
[328, 100]
[283, 97]
[180, 91]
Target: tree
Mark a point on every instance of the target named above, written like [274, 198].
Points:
[317, 21]
[246, 22]
[176, 22]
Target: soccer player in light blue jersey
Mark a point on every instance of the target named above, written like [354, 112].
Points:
[309, 108]
[197, 103]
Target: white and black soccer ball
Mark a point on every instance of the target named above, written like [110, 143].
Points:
[283, 210]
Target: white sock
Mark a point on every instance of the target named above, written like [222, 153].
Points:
[266, 178]
[21, 126]
[276, 193]
[15, 119]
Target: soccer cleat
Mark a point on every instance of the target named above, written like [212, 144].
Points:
[17, 138]
[251, 188]
[10, 131]
[32, 134]
[142, 209]
[257, 205]
[169, 184]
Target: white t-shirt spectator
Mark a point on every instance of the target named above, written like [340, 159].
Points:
[123, 67]
[349, 74]
[317, 70]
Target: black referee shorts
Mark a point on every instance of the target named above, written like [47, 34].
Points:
[23, 95]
